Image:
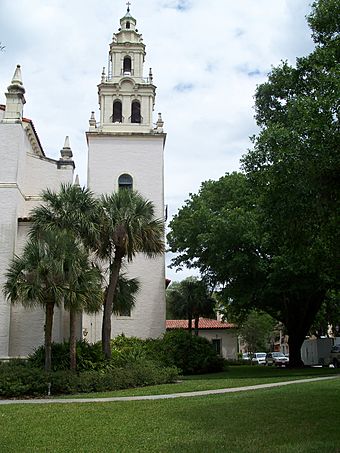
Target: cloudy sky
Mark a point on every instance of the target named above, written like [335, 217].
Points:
[207, 58]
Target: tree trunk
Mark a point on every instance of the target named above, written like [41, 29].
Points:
[73, 340]
[190, 323]
[302, 313]
[48, 335]
[295, 341]
[196, 325]
[108, 304]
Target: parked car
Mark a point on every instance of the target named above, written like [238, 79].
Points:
[335, 356]
[259, 358]
[277, 359]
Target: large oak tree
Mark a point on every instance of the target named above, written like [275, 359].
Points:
[269, 236]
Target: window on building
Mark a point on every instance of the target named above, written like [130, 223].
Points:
[117, 112]
[135, 112]
[125, 181]
[216, 342]
[127, 24]
[127, 65]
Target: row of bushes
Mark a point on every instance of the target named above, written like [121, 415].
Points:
[134, 363]
[22, 379]
[191, 354]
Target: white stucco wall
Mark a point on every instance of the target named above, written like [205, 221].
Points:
[228, 340]
[23, 176]
[142, 158]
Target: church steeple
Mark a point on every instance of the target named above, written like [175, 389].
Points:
[126, 97]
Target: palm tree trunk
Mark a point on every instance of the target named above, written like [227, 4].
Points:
[196, 325]
[189, 321]
[108, 304]
[48, 335]
[190, 324]
[73, 340]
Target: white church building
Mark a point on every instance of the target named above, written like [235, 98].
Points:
[125, 149]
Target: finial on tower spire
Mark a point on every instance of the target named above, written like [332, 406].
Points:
[66, 152]
[128, 6]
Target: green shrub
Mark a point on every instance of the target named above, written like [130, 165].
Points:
[192, 354]
[17, 380]
[89, 356]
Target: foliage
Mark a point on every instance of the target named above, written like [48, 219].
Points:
[89, 356]
[24, 380]
[328, 317]
[125, 296]
[269, 237]
[176, 348]
[191, 354]
[256, 331]
[190, 299]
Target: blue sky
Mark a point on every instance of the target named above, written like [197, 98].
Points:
[207, 59]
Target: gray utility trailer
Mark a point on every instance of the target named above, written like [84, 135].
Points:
[316, 351]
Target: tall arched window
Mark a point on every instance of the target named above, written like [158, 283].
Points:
[117, 112]
[135, 112]
[127, 65]
[125, 181]
[127, 24]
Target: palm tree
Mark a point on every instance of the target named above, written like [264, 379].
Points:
[83, 292]
[38, 278]
[75, 211]
[128, 226]
[73, 208]
[190, 298]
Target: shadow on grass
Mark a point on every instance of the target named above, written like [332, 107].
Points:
[247, 372]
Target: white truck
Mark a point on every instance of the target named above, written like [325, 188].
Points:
[317, 351]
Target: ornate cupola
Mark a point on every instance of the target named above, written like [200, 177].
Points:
[126, 97]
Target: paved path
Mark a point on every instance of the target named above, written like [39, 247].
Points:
[162, 397]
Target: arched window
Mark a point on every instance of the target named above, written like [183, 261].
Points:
[125, 181]
[127, 65]
[135, 112]
[127, 24]
[117, 112]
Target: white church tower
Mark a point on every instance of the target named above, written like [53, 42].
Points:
[125, 149]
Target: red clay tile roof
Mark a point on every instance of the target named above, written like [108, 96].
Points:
[204, 323]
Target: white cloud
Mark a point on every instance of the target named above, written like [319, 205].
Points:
[207, 58]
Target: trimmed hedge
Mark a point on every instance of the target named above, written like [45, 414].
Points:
[21, 379]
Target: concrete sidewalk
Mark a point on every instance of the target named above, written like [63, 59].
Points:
[162, 397]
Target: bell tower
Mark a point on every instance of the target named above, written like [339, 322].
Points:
[126, 97]
[125, 149]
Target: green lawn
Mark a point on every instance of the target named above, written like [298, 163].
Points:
[297, 419]
[236, 376]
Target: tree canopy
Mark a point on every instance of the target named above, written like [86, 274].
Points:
[269, 236]
[190, 299]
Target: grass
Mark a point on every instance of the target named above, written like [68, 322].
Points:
[236, 376]
[295, 419]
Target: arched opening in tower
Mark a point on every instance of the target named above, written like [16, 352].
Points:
[135, 112]
[117, 116]
[127, 65]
